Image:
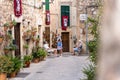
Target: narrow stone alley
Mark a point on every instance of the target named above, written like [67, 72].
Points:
[66, 67]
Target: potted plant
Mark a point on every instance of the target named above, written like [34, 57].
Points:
[6, 66]
[2, 34]
[33, 38]
[26, 60]
[34, 30]
[13, 23]
[12, 47]
[37, 40]
[8, 36]
[1, 40]
[28, 32]
[9, 47]
[24, 35]
[38, 55]
[26, 46]
[33, 33]
[6, 49]
[16, 66]
[6, 25]
[42, 53]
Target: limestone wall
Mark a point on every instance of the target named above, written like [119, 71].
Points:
[30, 13]
[76, 28]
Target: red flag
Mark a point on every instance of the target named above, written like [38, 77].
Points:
[17, 8]
[64, 22]
[47, 17]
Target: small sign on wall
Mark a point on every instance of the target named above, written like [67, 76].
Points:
[83, 17]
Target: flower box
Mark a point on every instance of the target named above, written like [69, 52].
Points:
[1, 40]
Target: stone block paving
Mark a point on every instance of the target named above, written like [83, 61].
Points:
[66, 67]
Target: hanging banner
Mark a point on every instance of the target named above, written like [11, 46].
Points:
[47, 18]
[64, 22]
[17, 8]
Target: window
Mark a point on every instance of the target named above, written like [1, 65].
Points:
[65, 11]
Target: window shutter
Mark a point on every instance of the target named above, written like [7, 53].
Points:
[47, 5]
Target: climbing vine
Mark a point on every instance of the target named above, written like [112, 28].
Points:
[90, 70]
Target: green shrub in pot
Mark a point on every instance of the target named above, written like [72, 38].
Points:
[42, 53]
[6, 65]
[17, 64]
[26, 60]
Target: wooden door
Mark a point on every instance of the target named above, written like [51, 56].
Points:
[65, 41]
[17, 39]
[47, 33]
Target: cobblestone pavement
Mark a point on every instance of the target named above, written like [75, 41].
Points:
[66, 67]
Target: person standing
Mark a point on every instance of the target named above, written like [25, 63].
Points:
[59, 46]
[59, 37]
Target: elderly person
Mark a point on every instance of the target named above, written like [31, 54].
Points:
[78, 47]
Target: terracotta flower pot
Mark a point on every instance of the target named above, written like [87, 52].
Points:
[27, 64]
[6, 51]
[11, 25]
[5, 28]
[42, 58]
[3, 76]
[33, 33]
[36, 60]
[33, 39]
[13, 74]
[1, 40]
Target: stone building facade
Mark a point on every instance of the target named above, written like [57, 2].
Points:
[31, 18]
[76, 30]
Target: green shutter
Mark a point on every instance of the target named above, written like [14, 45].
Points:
[65, 11]
[46, 4]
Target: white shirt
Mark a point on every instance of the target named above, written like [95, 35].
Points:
[46, 46]
[59, 37]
